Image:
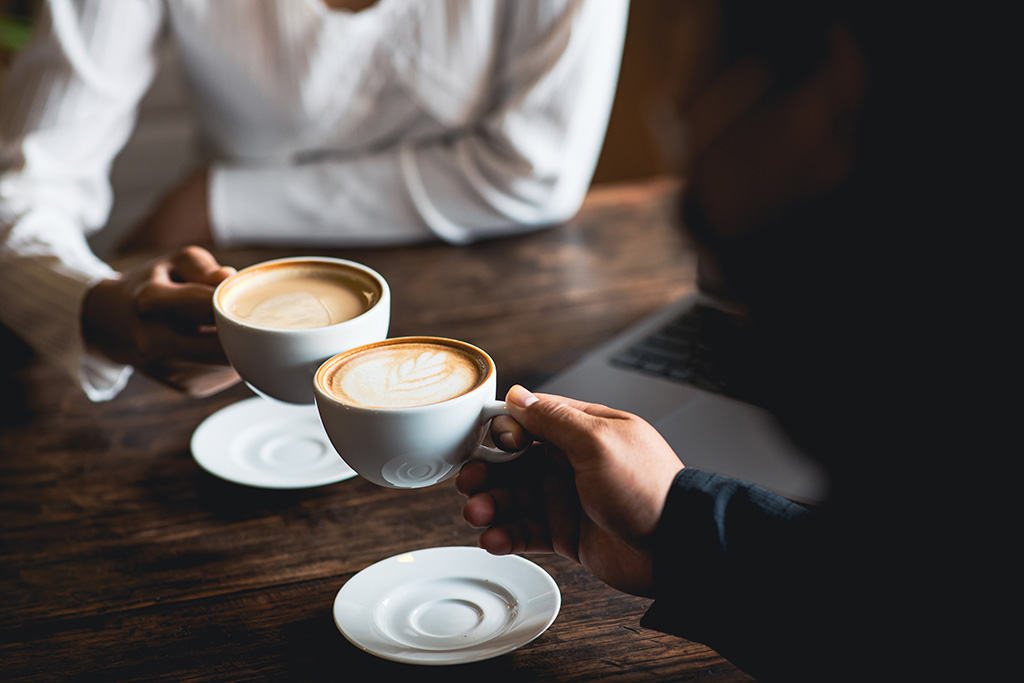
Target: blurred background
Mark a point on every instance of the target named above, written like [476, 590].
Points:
[15, 16]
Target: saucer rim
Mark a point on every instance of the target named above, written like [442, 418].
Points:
[478, 652]
[210, 457]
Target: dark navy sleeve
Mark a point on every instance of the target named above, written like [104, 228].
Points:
[732, 570]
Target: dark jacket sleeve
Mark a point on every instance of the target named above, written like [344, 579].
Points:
[738, 568]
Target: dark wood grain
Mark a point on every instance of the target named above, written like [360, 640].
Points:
[120, 559]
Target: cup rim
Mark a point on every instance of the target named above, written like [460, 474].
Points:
[320, 392]
[385, 292]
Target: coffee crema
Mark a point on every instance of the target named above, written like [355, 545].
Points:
[298, 296]
[404, 373]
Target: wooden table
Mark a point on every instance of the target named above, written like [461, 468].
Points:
[121, 559]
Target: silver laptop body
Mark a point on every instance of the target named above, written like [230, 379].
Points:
[707, 421]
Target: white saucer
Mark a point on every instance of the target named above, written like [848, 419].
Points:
[446, 606]
[268, 444]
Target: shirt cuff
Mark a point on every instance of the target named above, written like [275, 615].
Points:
[333, 202]
[58, 337]
[102, 379]
[242, 207]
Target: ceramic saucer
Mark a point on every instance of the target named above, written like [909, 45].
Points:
[446, 606]
[268, 444]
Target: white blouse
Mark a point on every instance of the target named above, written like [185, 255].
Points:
[408, 121]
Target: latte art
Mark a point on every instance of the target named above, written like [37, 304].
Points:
[401, 375]
[308, 304]
[297, 297]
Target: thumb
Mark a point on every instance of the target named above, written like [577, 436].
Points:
[195, 264]
[559, 421]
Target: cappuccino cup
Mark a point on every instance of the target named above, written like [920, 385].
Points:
[407, 412]
[279, 320]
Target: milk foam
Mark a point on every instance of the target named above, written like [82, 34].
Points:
[405, 375]
[295, 298]
[298, 310]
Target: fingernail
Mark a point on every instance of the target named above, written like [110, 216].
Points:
[519, 396]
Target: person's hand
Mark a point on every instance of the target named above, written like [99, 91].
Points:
[592, 490]
[182, 217]
[159, 318]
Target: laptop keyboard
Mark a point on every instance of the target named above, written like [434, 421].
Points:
[704, 346]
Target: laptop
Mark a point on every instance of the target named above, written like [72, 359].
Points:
[681, 370]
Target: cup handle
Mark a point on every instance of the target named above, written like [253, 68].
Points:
[486, 453]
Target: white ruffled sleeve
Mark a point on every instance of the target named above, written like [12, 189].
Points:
[68, 106]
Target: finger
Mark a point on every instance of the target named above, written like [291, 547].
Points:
[477, 476]
[158, 342]
[203, 349]
[471, 478]
[525, 536]
[195, 264]
[496, 541]
[520, 511]
[542, 516]
[188, 302]
[520, 397]
[182, 286]
[557, 420]
[480, 511]
[495, 506]
[509, 435]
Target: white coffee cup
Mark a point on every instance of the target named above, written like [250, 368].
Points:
[279, 320]
[401, 418]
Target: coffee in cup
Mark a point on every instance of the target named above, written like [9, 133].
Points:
[407, 412]
[405, 374]
[279, 320]
[299, 295]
